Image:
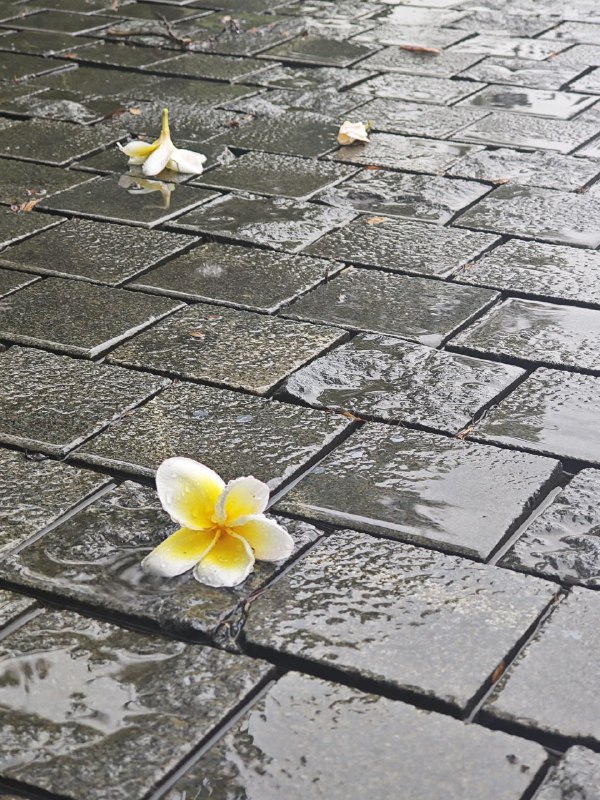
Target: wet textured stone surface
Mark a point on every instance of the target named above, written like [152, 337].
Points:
[398, 59]
[60, 22]
[320, 51]
[52, 403]
[423, 488]
[558, 105]
[550, 686]
[95, 557]
[417, 119]
[548, 271]
[21, 181]
[529, 133]
[94, 251]
[23, 67]
[536, 333]
[161, 696]
[522, 72]
[11, 605]
[520, 47]
[391, 380]
[373, 241]
[235, 433]
[14, 227]
[56, 143]
[10, 281]
[438, 91]
[278, 747]
[551, 412]
[537, 213]
[197, 344]
[413, 308]
[398, 594]
[564, 541]
[35, 493]
[577, 773]
[238, 276]
[211, 67]
[82, 328]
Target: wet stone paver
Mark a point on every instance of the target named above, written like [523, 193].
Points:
[11, 605]
[10, 281]
[528, 132]
[21, 181]
[578, 772]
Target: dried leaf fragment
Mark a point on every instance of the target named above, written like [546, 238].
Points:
[376, 220]
[26, 207]
[417, 48]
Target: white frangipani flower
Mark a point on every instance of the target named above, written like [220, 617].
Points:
[223, 526]
[162, 154]
[351, 132]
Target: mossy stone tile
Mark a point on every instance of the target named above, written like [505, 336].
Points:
[208, 65]
[409, 153]
[57, 143]
[278, 223]
[236, 434]
[578, 771]
[17, 226]
[428, 250]
[521, 100]
[34, 494]
[22, 67]
[278, 748]
[243, 277]
[437, 91]
[550, 687]
[142, 704]
[133, 200]
[319, 50]
[518, 47]
[548, 271]
[95, 558]
[424, 489]
[545, 169]
[536, 213]
[547, 75]
[83, 328]
[21, 181]
[11, 281]
[552, 412]
[95, 251]
[395, 381]
[528, 133]
[52, 403]
[564, 541]
[42, 43]
[399, 60]
[119, 54]
[417, 119]
[436, 625]
[11, 605]
[532, 332]
[423, 310]
[155, 11]
[59, 22]
[419, 197]
[282, 176]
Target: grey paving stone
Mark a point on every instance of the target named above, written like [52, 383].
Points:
[209, 66]
[414, 154]
[418, 197]
[416, 119]
[546, 75]
[258, 280]
[35, 493]
[11, 281]
[59, 21]
[377, 302]
[119, 54]
[56, 143]
[199, 342]
[141, 704]
[438, 91]
[571, 32]
[83, 328]
[390, 33]
[537, 213]
[424, 489]
[95, 557]
[545, 169]
[274, 102]
[533, 333]
[56, 104]
[95, 251]
[319, 50]
[591, 150]
[547, 271]
[521, 100]
[502, 21]
[401, 14]
[436, 625]
[397, 59]
[550, 687]
[578, 773]
[16, 226]
[278, 223]
[153, 10]
[236, 434]
[519, 47]
[589, 83]
[284, 76]
[23, 67]
[21, 181]
[564, 541]
[282, 176]
[552, 412]
[529, 133]
[43, 43]
[580, 56]
[11, 605]
[373, 241]
[136, 201]
[387, 379]
[311, 716]
[52, 403]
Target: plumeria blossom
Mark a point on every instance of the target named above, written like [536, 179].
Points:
[162, 154]
[223, 525]
[351, 132]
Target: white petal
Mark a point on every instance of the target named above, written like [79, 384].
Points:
[159, 159]
[269, 540]
[137, 149]
[351, 132]
[241, 497]
[179, 552]
[228, 563]
[188, 492]
[186, 161]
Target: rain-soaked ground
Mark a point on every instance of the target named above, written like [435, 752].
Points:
[402, 338]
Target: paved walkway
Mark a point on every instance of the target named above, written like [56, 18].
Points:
[402, 338]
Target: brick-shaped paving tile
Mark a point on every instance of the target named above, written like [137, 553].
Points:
[423, 488]
[417, 119]
[10, 281]
[399, 59]
[387, 379]
[209, 66]
[11, 605]
[142, 703]
[305, 732]
[21, 181]
[311, 49]
[578, 771]
[521, 100]
[59, 21]
[564, 541]
[545, 75]
[520, 47]
[551, 687]
[52, 403]
[55, 143]
[453, 620]
[438, 91]
[14, 227]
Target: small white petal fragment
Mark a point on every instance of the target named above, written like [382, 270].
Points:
[228, 563]
[186, 161]
[179, 552]
[188, 492]
[269, 541]
[351, 132]
[241, 498]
